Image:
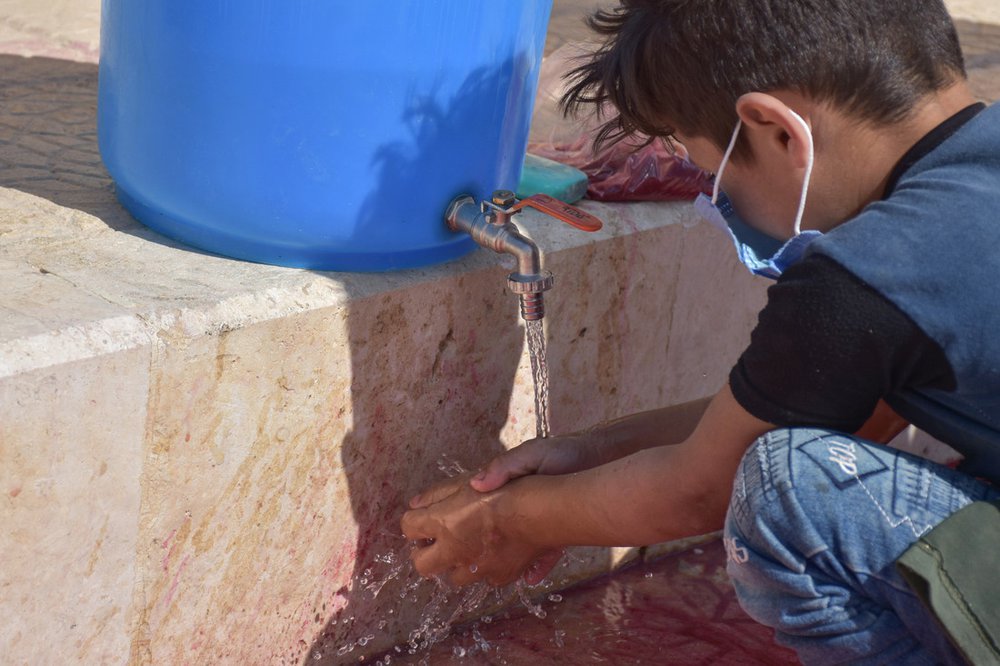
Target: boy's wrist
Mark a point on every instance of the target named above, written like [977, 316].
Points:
[529, 509]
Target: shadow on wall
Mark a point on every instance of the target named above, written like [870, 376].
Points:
[433, 376]
[429, 376]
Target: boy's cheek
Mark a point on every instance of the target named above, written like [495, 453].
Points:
[702, 153]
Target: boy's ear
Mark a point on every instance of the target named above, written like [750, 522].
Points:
[773, 127]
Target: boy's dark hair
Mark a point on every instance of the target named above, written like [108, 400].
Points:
[669, 65]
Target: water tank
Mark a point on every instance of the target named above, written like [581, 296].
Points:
[320, 134]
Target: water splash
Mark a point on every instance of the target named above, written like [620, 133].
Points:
[522, 594]
[450, 467]
[448, 606]
[441, 614]
[535, 334]
[436, 622]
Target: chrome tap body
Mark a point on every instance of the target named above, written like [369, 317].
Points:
[491, 225]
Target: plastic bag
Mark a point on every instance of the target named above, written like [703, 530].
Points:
[624, 171]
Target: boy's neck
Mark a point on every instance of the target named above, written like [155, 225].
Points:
[858, 160]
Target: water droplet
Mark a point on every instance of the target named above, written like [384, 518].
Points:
[649, 574]
[317, 655]
[555, 598]
[699, 551]
[458, 651]
[473, 568]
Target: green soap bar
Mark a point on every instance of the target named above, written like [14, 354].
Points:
[544, 176]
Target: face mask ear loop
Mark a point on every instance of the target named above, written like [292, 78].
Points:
[809, 167]
[725, 161]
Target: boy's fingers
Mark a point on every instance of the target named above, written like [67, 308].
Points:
[437, 493]
[433, 560]
[510, 465]
[490, 478]
[416, 525]
[463, 575]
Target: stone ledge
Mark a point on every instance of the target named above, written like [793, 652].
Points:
[263, 419]
[91, 288]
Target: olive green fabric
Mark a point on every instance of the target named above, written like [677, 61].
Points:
[955, 570]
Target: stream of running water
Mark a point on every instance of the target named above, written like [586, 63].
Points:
[535, 334]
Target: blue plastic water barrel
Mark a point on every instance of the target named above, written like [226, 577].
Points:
[315, 133]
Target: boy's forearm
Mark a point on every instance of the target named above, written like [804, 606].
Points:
[651, 496]
[668, 425]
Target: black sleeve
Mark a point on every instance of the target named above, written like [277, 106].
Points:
[827, 347]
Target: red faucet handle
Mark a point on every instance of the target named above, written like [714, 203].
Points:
[561, 211]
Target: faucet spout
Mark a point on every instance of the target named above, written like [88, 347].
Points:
[490, 224]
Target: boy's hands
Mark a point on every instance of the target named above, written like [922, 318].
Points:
[469, 536]
[557, 455]
[617, 485]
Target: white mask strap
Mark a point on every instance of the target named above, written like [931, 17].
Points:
[811, 159]
[725, 161]
[809, 169]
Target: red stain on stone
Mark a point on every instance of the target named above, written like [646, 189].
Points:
[339, 563]
[167, 546]
[175, 582]
[15, 492]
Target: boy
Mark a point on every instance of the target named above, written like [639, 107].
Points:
[885, 295]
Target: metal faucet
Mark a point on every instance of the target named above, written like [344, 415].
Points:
[491, 225]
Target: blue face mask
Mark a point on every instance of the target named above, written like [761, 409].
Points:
[761, 254]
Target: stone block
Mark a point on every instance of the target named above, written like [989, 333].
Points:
[71, 442]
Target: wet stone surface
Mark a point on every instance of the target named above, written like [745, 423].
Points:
[676, 610]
